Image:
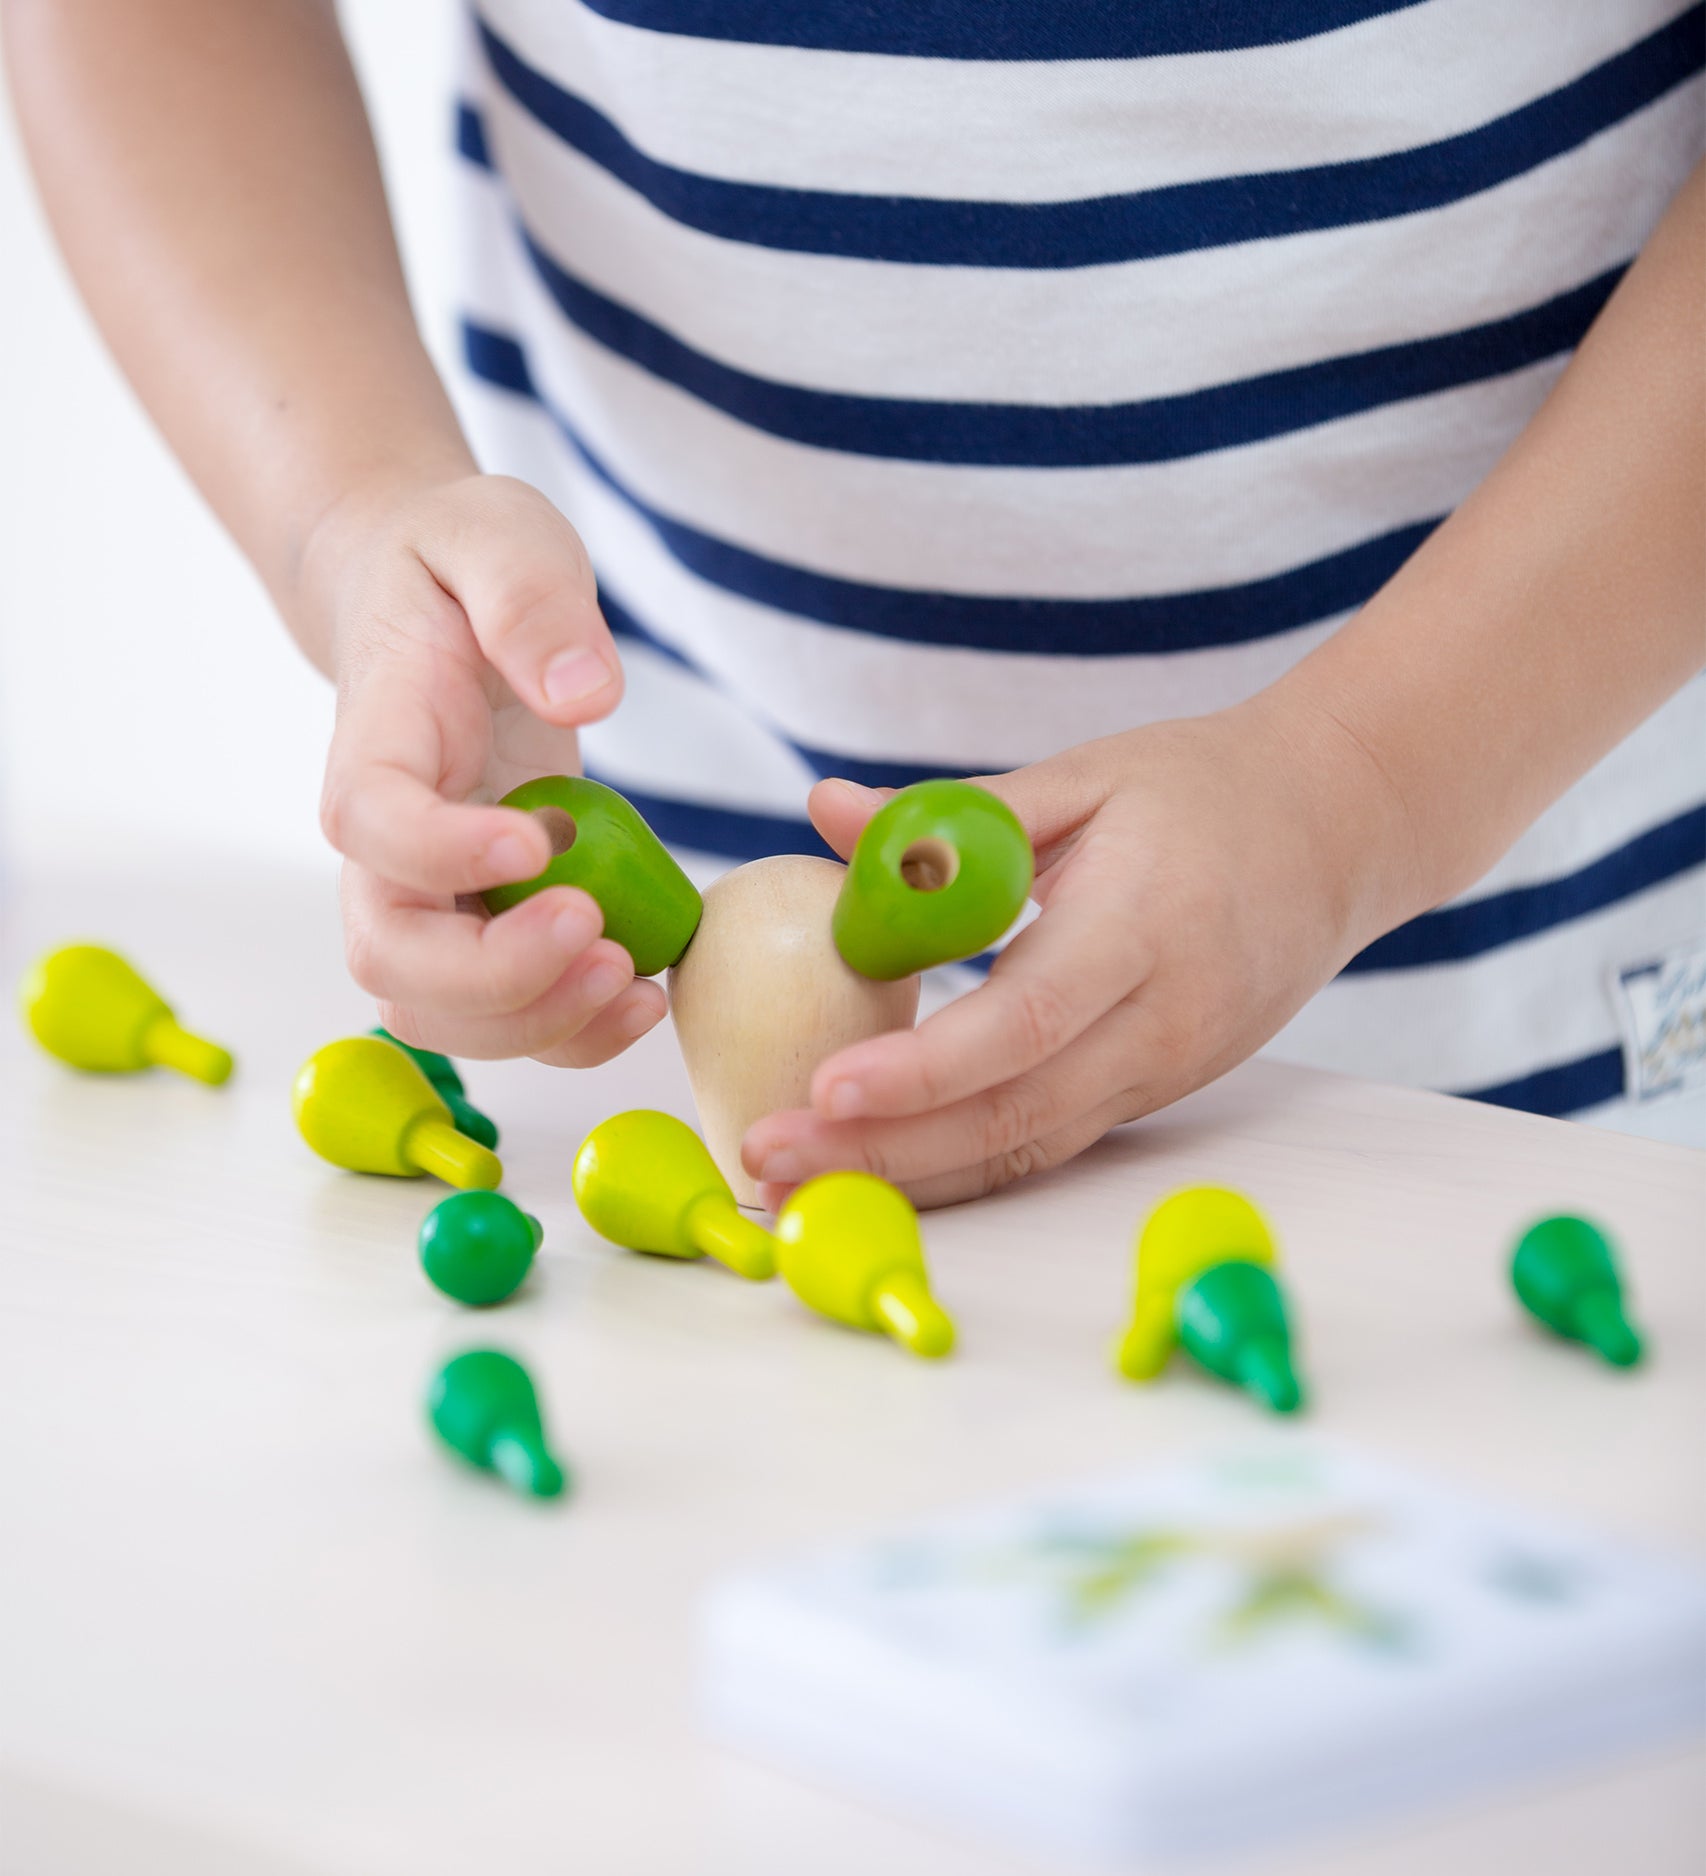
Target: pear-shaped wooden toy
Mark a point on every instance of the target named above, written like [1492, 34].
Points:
[848, 1246]
[441, 1071]
[484, 1408]
[86, 1005]
[363, 1104]
[600, 843]
[1205, 1283]
[939, 873]
[478, 1246]
[1565, 1275]
[762, 996]
[645, 1181]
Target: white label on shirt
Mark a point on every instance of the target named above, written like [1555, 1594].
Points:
[1662, 1006]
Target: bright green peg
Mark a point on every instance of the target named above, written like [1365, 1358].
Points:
[478, 1246]
[440, 1070]
[363, 1104]
[939, 873]
[1232, 1322]
[483, 1406]
[645, 1181]
[86, 1005]
[1565, 1275]
[1205, 1283]
[600, 844]
[848, 1246]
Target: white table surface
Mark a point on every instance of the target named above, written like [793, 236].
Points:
[250, 1620]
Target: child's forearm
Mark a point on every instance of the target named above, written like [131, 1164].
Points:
[210, 174]
[1558, 606]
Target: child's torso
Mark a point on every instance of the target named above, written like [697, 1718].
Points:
[936, 386]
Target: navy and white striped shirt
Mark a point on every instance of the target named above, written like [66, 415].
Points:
[938, 385]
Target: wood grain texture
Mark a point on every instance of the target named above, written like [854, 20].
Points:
[762, 997]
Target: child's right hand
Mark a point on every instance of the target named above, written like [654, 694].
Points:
[467, 642]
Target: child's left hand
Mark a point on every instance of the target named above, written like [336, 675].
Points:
[1199, 880]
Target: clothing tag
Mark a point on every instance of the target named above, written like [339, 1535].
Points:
[1662, 1007]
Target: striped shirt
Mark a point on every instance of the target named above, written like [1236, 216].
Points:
[940, 384]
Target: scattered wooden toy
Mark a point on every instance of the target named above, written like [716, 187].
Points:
[848, 1246]
[645, 1181]
[1565, 1275]
[1205, 1283]
[762, 996]
[478, 1246]
[939, 873]
[87, 1006]
[483, 1406]
[600, 844]
[447, 1084]
[364, 1105]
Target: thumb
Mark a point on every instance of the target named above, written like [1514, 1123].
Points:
[522, 577]
[1051, 799]
[840, 809]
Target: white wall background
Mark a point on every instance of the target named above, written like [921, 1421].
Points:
[146, 686]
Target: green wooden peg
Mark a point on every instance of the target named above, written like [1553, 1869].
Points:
[478, 1246]
[1231, 1320]
[482, 1405]
[1565, 1275]
[600, 844]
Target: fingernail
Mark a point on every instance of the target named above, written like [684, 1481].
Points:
[783, 1168]
[575, 675]
[860, 793]
[844, 1100]
[511, 858]
[572, 928]
[639, 1019]
[603, 982]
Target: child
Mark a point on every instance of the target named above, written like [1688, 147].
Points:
[1242, 425]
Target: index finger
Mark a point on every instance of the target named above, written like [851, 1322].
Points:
[1066, 969]
[381, 806]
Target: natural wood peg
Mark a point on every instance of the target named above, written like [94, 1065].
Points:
[762, 996]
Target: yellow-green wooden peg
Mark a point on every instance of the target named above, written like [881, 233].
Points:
[849, 1247]
[441, 1071]
[86, 1005]
[1184, 1236]
[645, 1181]
[363, 1104]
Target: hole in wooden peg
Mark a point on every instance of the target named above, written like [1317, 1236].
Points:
[929, 865]
[559, 828]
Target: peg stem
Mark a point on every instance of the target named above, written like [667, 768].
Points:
[526, 1465]
[902, 1303]
[715, 1225]
[166, 1043]
[1142, 1351]
[1601, 1323]
[435, 1146]
[1264, 1369]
